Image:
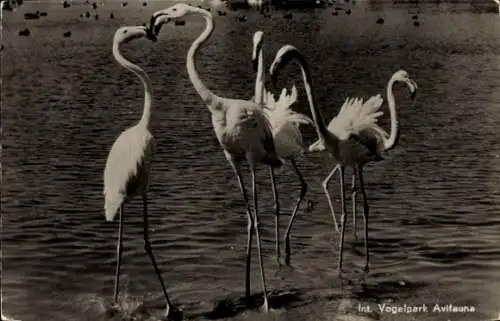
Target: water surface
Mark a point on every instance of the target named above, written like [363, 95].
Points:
[435, 204]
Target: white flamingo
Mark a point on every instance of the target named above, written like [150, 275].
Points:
[498, 4]
[240, 126]
[129, 161]
[286, 133]
[356, 139]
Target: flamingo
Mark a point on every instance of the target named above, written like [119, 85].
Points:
[355, 139]
[241, 127]
[129, 161]
[285, 127]
[498, 4]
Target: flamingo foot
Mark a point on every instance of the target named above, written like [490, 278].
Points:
[173, 314]
[265, 306]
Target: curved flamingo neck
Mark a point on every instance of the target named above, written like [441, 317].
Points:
[318, 118]
[208, 97]
[331, 141]
[146, 82]
[393, 137]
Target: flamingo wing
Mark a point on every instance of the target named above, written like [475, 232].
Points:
[355, 116]
[127, 167]
[280, 113]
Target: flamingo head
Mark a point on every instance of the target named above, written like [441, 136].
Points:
[403, 76]
[286, 54]
[126, 34]
[178, 10]
[257, 48]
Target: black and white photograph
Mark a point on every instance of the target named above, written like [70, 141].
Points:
[250, 160]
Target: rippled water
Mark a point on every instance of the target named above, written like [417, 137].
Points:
[435, 204]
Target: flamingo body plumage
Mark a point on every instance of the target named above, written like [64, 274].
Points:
[356, 125]
[245, 132]
[285, 124]
[127, 168]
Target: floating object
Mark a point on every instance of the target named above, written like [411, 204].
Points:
[67, 34]
[310, 206]
[94, 5]
[221, 13]
[24, 32]
[348, 12]
[66, 4]
[144, 4]
[124, 4]
[87, 14]
[43, 14]
[335, 13]
[380, 21]
[416, 23]
[414, 17]
[287, 15]
[96, 17]
[242, 18]
[31, 16]
[111, 15]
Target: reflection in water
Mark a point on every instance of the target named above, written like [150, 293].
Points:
[435, 203]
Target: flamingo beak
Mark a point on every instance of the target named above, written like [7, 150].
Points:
[255, 64]
[154, 28]
[151, 35]
[413, 89]
[255, 55]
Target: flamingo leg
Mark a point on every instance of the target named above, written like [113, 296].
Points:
[259, 251]
[353, 200]
[303, 191]
[250, 226]
[342, 217]
[365, 215]
[119, 251]
[277, 214]
[327, 193]
[149, 250]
